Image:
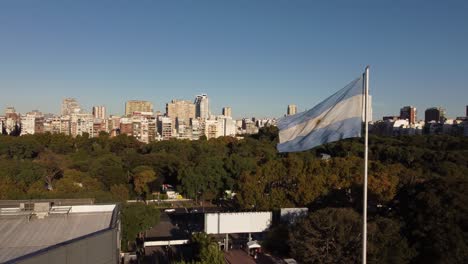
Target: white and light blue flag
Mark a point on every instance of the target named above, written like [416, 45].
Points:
[339, 116]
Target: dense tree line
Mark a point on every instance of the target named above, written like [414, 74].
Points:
[417, 185]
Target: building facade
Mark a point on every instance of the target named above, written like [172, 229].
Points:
[434, 114]
[180, 110]
[292, 109]
[202, 106]
[227, 111]
[137, 106]
[99, 112]
[408, 113]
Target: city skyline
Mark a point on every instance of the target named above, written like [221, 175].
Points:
[257, 57]
[418, 116]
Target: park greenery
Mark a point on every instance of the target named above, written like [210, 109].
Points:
[418, 187]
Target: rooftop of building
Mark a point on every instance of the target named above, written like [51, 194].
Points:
[30, 230]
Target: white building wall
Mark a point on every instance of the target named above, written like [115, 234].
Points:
[28, 125]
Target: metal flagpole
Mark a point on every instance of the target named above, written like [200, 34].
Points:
[366, 145]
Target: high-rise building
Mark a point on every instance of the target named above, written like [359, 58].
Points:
[227, 111]
[70, 106]
[126, 126]
[409, 113]
[137, 106]
[180, 110]
[211, 128]
[165, 127]
[99, 112]
[226, 126]
[202, 106]
[436, 114]
[292, 109]
[466, 114]
[32, 123]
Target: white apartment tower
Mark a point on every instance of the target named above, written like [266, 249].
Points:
[202, 106]
[227, 111]
[292, 109]
[99, 112]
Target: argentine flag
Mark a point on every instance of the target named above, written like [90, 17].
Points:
[339, 116]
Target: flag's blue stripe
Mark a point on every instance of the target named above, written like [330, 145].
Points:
[344, 129]
[350, 90]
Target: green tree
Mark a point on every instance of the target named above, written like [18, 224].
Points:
[53, 165]
[119, 193]
[136, 218]
[142, 176]
[108, 169]
[206, 250]
[334, 235]
[327, 236]
[435, 214]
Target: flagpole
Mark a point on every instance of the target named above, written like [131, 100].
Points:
[366, 146]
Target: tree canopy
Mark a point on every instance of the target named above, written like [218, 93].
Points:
[417, 185]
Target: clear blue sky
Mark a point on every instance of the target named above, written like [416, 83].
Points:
[255, 56]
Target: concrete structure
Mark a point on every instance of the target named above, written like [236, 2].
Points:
[184, 131]
[197, 131]
[113, 124]
[99, 112]
[180, 110]
[27, 124]
[211, 128]
[227, 111]
[144, 128]
[47, 233]
[248, 126]
[436, 114]
[69, 106]
[165, 127]
[409, 113]
[202, 106]
[397, 127]
[81, 123]
[137, 106]
[32, 123]
[226, 126]
[99, 125]
[126, 126]
[292, 109]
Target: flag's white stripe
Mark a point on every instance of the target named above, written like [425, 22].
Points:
[346, 109]
[336, 131]
[350, 90]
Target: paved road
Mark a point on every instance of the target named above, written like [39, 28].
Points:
[238, 256]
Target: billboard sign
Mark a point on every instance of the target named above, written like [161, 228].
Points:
[229, 223]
